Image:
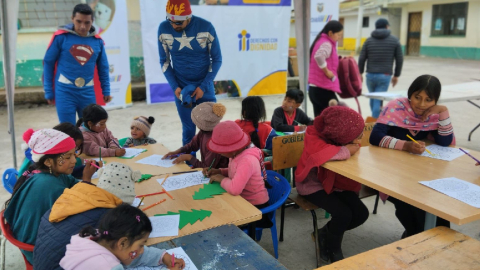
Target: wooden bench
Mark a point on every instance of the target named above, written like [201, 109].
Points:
[438, 248]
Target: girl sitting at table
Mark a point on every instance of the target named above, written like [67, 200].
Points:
[420, 117]
[335, 135]
[119, 241]
[96, 135]
[246, 175]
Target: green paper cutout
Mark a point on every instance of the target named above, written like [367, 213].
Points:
[144, 177]
[187, 217]
[208, 191]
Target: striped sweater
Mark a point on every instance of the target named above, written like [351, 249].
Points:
[395, 137]
[380, 50]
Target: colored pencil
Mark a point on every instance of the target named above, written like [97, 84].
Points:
[164, 180]
[173, 259]
[168, 194]
[138, 206]
[469, 155]
[209, 168]
[298, 123]
[150, 206]
[418, 143]
[151, 194]
[185, 172]
[100, 153]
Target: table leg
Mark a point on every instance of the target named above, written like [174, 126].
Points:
[251, 230]
[473, 130]
[430, 221]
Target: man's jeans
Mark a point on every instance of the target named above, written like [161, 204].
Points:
[377, 82]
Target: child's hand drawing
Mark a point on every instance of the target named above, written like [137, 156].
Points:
[478, 164]
[216, 178]
[119, 152]
[414, 148]
[353, 148]
[211, 172]
[167, 260]
[183, 158]
[171, 155]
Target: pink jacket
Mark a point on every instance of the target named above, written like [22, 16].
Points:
[83, 253]
[316, 76]
[92, 141]
[244, 177]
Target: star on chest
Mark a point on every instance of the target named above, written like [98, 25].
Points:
[184, 41]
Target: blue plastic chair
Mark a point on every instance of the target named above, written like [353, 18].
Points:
[9, 179]
[278, 194]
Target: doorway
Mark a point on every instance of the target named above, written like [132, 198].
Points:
[414, 33]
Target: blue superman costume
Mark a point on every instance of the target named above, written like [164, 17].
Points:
[196, 56]
[69, 69]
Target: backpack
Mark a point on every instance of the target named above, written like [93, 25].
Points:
[349, 78]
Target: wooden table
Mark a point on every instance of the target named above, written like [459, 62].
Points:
[438, 248]
[225, 247]
[397, 174]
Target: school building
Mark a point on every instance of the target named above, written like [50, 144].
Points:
[441, 28]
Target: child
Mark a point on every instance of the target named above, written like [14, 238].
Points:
[78, 207]
[205, 116]
[96, 136]
[140, 130]
[420, 117]
[335, 135]
[244, 173]
[54, 155]
[119, 241]
[288, 117]
[253, 115]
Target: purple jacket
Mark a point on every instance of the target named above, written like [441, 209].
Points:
[199, 142]
[92, 141]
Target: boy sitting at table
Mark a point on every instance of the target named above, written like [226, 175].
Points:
[289, 117]
[420, 117]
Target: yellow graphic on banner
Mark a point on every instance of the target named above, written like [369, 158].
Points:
[275, 83]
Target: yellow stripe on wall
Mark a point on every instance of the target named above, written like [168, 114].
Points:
[349, 44]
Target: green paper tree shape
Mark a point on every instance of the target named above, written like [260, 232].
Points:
[144, 177]
[187, 217]
[208, 191]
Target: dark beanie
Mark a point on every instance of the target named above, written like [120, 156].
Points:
[381, 23]
[339, 124]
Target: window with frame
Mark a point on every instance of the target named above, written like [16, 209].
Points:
[366, 22]
[449, 19]
[45, 13]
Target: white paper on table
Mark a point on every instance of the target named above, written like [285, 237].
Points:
[136, 201]
[296, 132]
[179, 253]
[458, 189]
[95, 175]
[164, 225]
[133, 152]
[183, 181]
[442, 152]
[383, 94]
[156, 160]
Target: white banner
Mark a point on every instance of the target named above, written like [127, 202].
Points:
[110, 20]
[253, 39]
[321, 12]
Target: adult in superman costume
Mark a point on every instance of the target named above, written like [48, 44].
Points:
[74, 59]
[191, 43]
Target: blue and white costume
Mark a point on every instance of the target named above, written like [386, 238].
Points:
[196, 56]
[75, 58]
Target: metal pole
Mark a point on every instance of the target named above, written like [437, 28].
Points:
[9, 84]
[359, 26]
[306, 56]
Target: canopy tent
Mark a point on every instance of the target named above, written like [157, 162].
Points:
[302, 34]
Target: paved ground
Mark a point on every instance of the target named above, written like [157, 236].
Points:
[297, 251]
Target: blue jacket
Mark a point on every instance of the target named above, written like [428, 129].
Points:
[53, 238]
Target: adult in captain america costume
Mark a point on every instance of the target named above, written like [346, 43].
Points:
[190, 58]
[74, 56]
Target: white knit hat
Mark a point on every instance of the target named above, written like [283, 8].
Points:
[119, 179]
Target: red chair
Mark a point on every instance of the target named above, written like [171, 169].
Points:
[7, 232]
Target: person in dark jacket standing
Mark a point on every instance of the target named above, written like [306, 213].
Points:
[381, 49]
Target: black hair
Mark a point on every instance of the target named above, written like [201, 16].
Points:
[82, 9]
[334, 26]
[92, 113]
[428, 83]
[253, 109]
[74, 132]
[295, 94]
[40, 165]
[121, 221]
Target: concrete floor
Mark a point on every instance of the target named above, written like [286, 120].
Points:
[297, 251]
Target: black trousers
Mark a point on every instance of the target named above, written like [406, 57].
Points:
[347, 210]
[320, 98]
[413, 218]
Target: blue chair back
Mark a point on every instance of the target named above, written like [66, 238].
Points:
[279, 192]
[9, 179]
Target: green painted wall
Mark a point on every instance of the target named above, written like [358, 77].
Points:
[451, 52]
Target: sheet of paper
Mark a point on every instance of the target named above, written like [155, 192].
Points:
[95, 175]
[291, 133]
[164, 225]
[383, 94]
[183, 181]
[156, 160]
[133, 152]
[179, 253]
[136, 201]
[456, 188]
[443, 153]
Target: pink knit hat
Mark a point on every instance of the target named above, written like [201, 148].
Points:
[341, 125]
[228, 137]
[47, 141]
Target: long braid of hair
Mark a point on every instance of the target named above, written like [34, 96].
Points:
[254, 136]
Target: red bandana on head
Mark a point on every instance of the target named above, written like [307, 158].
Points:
[179, 10]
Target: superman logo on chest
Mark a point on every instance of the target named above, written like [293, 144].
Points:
[81, 52]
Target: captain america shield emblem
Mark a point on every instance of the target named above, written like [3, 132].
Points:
[81, 53]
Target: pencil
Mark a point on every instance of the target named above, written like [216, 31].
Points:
[209, 168]
[100, 153]
[418, 143]
[185, 172]
[150, 206]
[164, 179]
[151, 194]
[469, 155]
[298, 123]
[168, 194]
[138, 206]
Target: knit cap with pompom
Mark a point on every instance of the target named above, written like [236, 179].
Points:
[143, 123]
[207, 115]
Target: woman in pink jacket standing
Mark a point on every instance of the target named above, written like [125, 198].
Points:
[322, 75]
